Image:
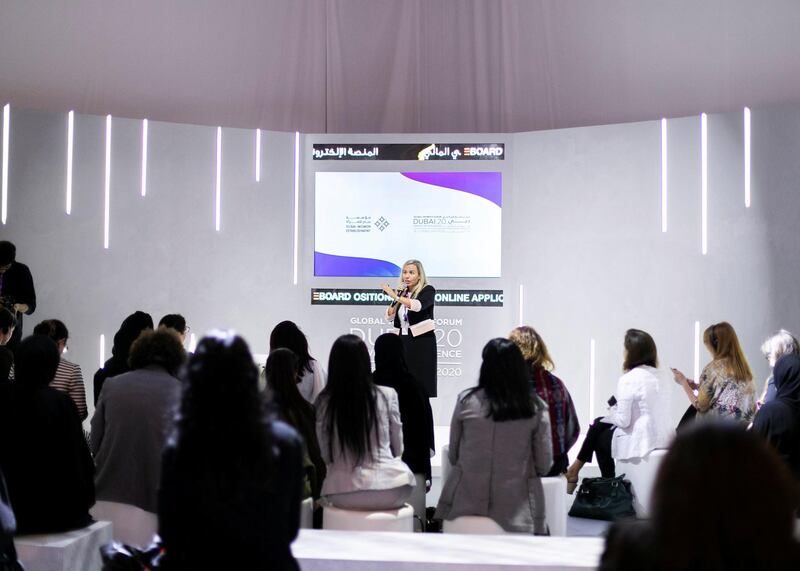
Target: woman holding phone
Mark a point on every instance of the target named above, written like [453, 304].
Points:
[411, 312]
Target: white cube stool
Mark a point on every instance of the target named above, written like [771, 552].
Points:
[555, 505]
[68, 551]
[401, 519]
[642, 474]
[472, 524]
[307, 513]
[132, 525]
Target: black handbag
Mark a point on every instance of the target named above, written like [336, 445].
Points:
[606, 499]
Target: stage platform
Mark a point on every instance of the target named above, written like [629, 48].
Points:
[329, 550]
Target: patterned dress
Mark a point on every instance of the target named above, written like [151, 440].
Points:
[719, 395]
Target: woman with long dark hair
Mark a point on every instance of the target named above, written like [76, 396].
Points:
[499, 446]
[415, 412]
[360, 434]
[637, 420]
[231, 477]
[310, 376]
[130, 329]
[281, 373]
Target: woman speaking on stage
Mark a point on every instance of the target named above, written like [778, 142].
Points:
[412, 313]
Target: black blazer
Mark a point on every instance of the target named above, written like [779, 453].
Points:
[427, 298]
[18, 288]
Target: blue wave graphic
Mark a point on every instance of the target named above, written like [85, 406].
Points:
[348, 266]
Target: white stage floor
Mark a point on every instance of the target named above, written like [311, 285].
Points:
[318, 550]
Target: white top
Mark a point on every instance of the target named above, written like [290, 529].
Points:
[641, 413]
[312, 383]
[385, 470]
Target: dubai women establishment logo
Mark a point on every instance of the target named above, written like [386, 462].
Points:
[382, 223]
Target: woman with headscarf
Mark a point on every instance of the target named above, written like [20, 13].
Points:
[415, 413]
[779, 419]
[43, 453]
[129, 331]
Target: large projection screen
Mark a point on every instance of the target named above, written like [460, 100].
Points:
[369, 223]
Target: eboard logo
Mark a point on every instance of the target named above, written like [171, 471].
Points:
[483, 151]
[382, 223]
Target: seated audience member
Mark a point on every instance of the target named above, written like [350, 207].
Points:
[415, 413]
[726, 388]
[176, 323]
[311, 379]
[292, 408]
[500, 445]
[232, 476]
[779, 419]
[43, 453]
[128, 332]
[360, 434]
[7, 324]
[17, 293]
[722, 501]
[132, 420]
[780, 344]
[8, 527]
[564, 423]
[637, 421]
[69, 378]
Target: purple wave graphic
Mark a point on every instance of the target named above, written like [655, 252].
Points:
[330, 265]
[488, 185]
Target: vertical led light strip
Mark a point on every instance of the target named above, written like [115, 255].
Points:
[591, 380]
[747, 157]
[70, 137]
[144, 157]
[663, 175]
[704, 183]
[4, 198]
[192, 343]
[258, 155]
[296, 200]
[218, 196]
[102, 350]
[108, 183]
[521, 304]
[696, 351]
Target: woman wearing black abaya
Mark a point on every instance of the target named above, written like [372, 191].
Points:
[779, 419]
[129, 331]
[415, 413]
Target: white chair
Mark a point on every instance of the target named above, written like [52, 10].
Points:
[77, 549]
[642, 474]
[555, 501]
[401, 519]
[473, 525]
[307, 513]
[555, 504]
[132, 525]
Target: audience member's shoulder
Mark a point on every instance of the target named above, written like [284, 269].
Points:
[284, 433]
[388, 392]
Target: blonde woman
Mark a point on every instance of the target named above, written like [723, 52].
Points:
[564, 424]
[726, 388]
[411, 312]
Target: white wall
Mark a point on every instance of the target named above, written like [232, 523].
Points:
[581, 229]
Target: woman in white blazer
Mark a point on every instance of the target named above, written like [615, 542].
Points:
[637, 421]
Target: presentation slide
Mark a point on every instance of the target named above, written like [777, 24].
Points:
[369, 223]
